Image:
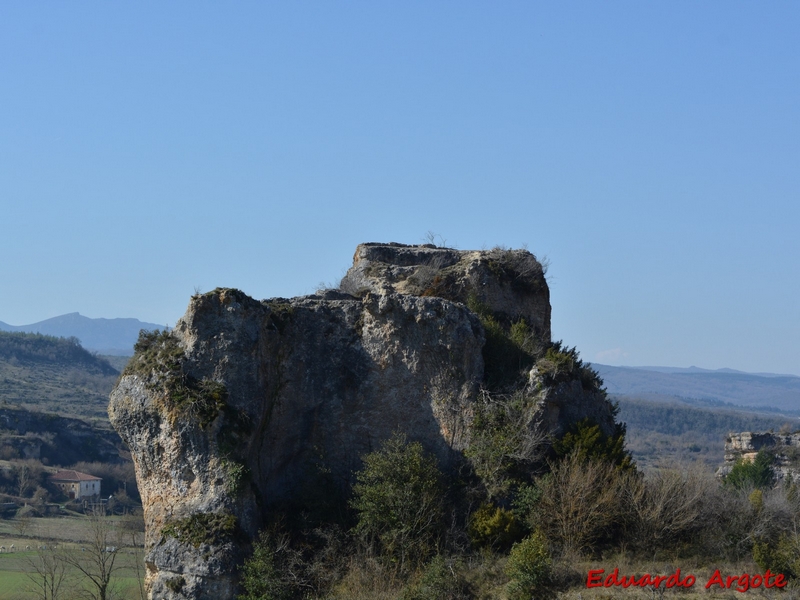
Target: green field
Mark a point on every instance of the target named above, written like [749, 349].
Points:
[69, 535]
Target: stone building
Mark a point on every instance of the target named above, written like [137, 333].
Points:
[76, 485]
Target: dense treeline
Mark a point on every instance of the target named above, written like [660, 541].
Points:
[677, 419]
[35, 347]
[54, 439]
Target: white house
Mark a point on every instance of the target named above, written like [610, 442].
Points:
[77, 485]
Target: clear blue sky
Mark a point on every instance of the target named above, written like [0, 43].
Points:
[650, 150]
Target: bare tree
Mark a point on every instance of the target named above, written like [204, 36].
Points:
[48, 574]
[23, 479]
[580, 502]
[430, 238]
[22, 522]
[670, 506]
[97, 561]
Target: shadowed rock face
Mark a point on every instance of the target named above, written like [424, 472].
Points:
[247, 405]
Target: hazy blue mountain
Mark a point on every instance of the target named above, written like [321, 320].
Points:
[104, 336]
[699, 370]
[759, 391]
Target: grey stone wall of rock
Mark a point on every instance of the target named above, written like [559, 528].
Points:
[745, 445]
[511, 283]
[241, 407]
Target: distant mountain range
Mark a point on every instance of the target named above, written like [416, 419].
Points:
[114, 337]
[703, 387]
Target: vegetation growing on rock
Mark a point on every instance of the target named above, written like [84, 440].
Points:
[159, 359]
[202, 528]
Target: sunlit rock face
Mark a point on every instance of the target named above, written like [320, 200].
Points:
[745, 445]
[248, 405]
[510, 283]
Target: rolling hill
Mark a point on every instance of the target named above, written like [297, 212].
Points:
[55, 375]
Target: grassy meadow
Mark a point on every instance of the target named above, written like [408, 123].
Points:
[69, 535]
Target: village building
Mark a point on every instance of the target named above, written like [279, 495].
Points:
[76, 485]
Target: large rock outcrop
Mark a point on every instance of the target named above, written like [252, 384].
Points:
[249, 405]
[745, 446]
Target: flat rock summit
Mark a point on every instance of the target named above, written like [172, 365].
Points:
[248, 407]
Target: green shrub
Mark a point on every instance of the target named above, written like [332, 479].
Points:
[493, 526]
[504, 445]
[439, 581]
[588, 441]
[781, 556]
[523, 338]
[399, 500]
[561, 364]
[529, 568]
[526, 499]
[757, 473]
[262, 577]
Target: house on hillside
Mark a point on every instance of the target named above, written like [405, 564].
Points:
[76, 485]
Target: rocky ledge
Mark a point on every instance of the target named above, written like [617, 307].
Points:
[783, 447]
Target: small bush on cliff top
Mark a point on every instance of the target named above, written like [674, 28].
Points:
[154, 351]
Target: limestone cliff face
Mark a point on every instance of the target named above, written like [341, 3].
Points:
[248, 405]
[510, 283]
[745, 445]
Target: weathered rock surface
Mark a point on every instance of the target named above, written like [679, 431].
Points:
[745, 445]
[248, 405]
[510, 283]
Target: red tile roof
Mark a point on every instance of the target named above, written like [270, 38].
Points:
[69, 475]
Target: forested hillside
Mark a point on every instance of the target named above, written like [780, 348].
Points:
[56, 375]
[671, 431]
